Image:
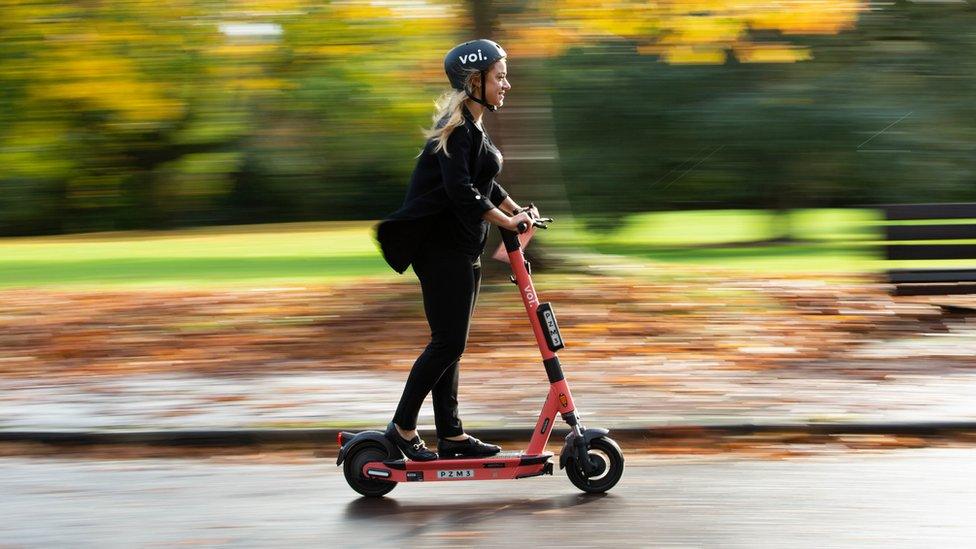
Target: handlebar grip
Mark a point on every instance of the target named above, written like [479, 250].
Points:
[522, 227]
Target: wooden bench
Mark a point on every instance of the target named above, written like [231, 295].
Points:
[931, 240]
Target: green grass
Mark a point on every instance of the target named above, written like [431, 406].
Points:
[302, 253]
[830, 241]
[841, 241]
[712, 227]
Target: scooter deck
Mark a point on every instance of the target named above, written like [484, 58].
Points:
[500, 457]
[504, 465]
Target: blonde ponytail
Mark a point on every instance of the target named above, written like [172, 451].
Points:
[449, 104]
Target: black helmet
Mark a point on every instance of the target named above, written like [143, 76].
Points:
[474, 54]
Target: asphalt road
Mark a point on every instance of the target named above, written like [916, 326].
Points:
[907, 498]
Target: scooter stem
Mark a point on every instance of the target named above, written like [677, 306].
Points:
[546, 330]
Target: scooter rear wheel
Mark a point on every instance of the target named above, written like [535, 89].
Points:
[606, 456]
[353, 470]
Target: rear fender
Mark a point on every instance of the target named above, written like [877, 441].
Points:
[351, 440]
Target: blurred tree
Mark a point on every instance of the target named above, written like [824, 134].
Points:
[100, 98]
[127, 115]
[123, 115]
[826, 120]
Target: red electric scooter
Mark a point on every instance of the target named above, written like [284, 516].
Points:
[373, 465]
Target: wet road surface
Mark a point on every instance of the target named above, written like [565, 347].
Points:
[904, 498]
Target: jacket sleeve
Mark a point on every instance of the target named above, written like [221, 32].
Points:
[498, 193]
[457, 176]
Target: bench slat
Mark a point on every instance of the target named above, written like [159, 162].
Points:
[929, 232]
[897, 212]
[935, 289]
[901, 276]
[931, 251]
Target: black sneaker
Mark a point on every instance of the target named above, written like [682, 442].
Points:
[471, 447]
[414, 448]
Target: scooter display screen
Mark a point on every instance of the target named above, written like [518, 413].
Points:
[550, 329]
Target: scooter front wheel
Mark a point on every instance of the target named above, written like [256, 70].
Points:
[608, 461]
[353, 470]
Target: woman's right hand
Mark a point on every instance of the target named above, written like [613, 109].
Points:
[514, 221]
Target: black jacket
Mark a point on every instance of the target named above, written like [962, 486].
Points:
[462, 184]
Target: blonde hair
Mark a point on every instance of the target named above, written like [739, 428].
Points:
[449, 104]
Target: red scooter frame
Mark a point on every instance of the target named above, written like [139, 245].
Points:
[595, 460]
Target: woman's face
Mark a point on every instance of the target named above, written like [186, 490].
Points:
[496, 83]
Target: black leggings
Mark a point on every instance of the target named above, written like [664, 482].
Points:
[450, 285]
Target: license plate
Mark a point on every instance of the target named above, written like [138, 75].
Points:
[455, 473]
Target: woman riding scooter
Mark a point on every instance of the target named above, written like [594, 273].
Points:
[441, 230]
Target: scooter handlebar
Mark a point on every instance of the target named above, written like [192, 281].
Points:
[537, 222]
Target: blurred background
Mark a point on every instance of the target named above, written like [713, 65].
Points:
[188, 190]
[134, 115]
[744, 121]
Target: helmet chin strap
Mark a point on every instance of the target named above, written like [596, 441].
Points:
[482, 101]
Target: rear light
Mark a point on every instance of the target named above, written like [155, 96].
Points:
[339, 438]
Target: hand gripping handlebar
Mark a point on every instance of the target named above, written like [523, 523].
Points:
[537, 222]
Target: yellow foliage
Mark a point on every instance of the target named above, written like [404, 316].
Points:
[245, 50]
[703, 30]
[360, 10]
[272, 6]
[696, 31]
[691, 55]
[340, 50]
[627, 18]
[132, 100]
[261, 84]
[533, 42]
[771, 53]
[809, 16]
